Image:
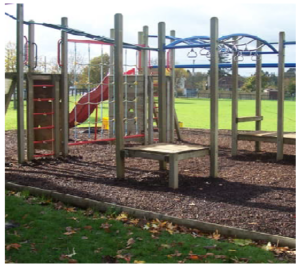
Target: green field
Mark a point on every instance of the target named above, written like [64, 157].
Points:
[195, 113]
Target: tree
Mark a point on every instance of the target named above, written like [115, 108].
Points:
[250, 82]
[10, 57]
[92, 73]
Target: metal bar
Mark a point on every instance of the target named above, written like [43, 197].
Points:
[146, 115]
[258, 94]
[214, 78]
[20, 78]
[119, 105]
[88, 42]
[172, 92]
[229, 65]
[43, 99]
[234, 107]
[43, 141]
[280, 103]
[43, 155]
[162, 94]
[43, 128]
[65, 89]
[44, 113]
[43, 85]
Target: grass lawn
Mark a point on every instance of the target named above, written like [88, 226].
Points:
[195, 113]
[50, 232]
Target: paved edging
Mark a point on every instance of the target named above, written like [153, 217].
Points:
[203, 226]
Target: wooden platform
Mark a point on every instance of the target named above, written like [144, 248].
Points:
[270, 137]
[171, 153]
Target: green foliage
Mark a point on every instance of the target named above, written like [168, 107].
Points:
[10, 57]
[92, 74]
[250, 82]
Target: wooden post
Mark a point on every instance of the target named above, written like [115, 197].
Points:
[20, 84]
[234, 110]
[146, 84]
[214, 78]
[162, 94]
[150, 110]
[280, 108]
[111, 94]
[56, 130]
[173, 173]
[258, 95]
[119, 105]
[172, 91]
[65, 89]
[30, 94]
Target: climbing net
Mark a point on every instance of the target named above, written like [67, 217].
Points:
[93, 94]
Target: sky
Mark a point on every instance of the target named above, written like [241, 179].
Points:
[187, 18]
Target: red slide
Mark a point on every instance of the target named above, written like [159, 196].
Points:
[94, 96]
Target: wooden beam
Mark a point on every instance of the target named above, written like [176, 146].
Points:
[56, 117]
[214, 78]
[258, 94]
[20, 84]
[172, 91]
[280, 103]
[65, 89]
[234, 106]
[146, 84]
[253, 118]
[162, 94]
[173, 172]
[119, 105]
[30, 118]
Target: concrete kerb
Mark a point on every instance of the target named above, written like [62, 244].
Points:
[202, 226]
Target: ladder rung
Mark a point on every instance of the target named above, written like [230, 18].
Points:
[43, 85]
[43, 141]
[44, 113]
[45, 127]
[43, 155]
[43, 99]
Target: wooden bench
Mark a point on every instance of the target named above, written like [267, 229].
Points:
[170, 153]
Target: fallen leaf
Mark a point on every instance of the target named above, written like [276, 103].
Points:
[98, 250]
[72, 209]
[192, 204]
[138, 261]
[130, 242]
[216, 235]
[70, 233]
[72, 261]
[84, 237]
[88, 227]
[58, 205]
[106, 227]
[220, 256]
[13, 245]
[242, 242]
[24, 217]
[122, 217]
[194, 257]
[134, 221]
[165, 246]
[210, 247]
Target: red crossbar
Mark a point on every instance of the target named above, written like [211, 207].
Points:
[43, 85]
[43, 99]
[45, 127]
[43, 155]
[104, 140]
[43, 141]
[45, 113]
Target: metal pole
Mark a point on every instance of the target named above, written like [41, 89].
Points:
[119, 105]
[65, 88]
[146, 84]
[162, 93]
[280, 108]
[234, 112]
[258, 94]
[20, 84]
[214, 77]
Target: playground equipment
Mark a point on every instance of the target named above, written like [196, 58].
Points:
[130, 95]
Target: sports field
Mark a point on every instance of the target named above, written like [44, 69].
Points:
[195, 113]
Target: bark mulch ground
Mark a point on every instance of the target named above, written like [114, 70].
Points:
[253, 191]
